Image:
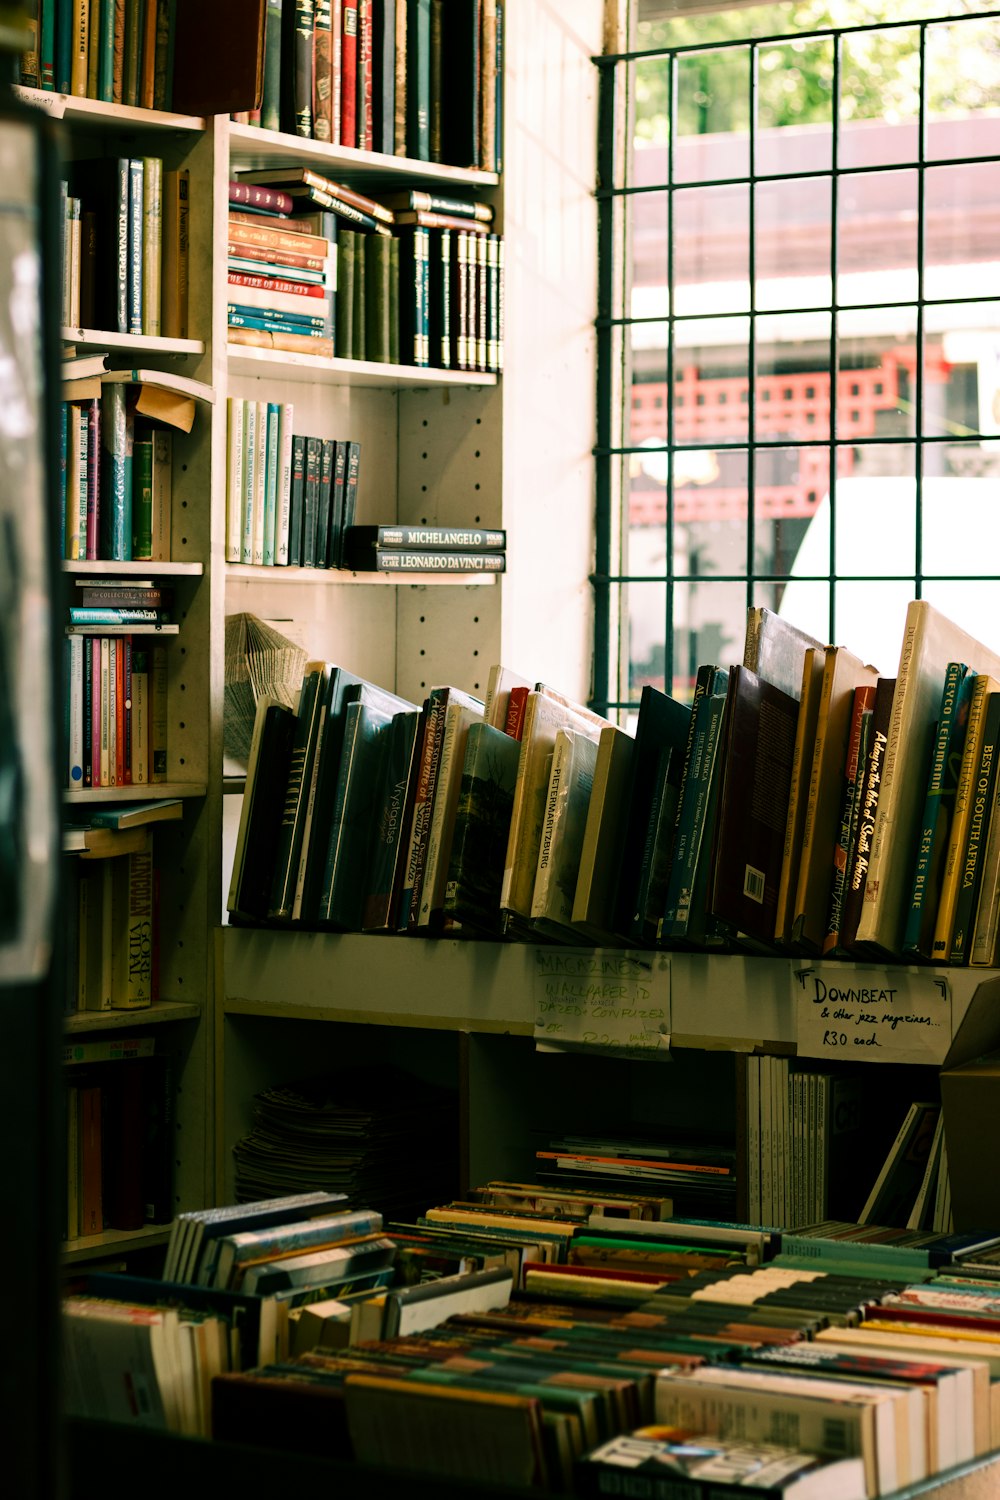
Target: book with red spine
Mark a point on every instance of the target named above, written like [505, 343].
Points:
[256, 196]
[246, 279]
[349, 76]
[95, 710]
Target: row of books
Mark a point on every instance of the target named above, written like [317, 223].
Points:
[402, 77]
[115, 481]
[119, 1156]
[112, 958]
[534, 1337]
[115, 705]
[290, 498]
[125, 246]
[120, 54]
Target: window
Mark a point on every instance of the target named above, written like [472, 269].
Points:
[800, 281]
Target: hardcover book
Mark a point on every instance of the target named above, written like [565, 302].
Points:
[482, 827]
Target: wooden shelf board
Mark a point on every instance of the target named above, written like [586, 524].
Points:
[135, 628]
[100, 112]
[146, 792]
[133, 343]
[101, 567]
[334, 577]
[124, 1020]
[98, 1246]
[246, 360]
[253, 148]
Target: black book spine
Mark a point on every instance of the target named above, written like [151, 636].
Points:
[351, 474]
[418, 85]
[304, 62]
[310, 507]
[289, 841]
[296, 500]
[384, 76]
[270, 110]
[335, 548]
[323, 512]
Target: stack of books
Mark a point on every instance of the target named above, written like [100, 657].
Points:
[125, 246]
[377, 75]
[282, 274]
[425, 549]
[290, 498]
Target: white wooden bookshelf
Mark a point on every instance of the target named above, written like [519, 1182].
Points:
[343, 577]
[82, 1021]
[131, 343]
[91, 568]
[315, 369]
[251, 148]
[144, 792]
[97, 113]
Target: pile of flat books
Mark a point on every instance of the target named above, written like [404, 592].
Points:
[425, 549]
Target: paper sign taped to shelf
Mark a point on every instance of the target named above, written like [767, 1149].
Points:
[877, 1014]
[608, 998]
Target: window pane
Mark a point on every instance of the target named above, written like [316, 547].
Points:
[955, 509]
[789, 486]
[793, 375]
[877, 240]
[962, 369]
[649, 245]
[711, 242]
[713, 115]
[650, 93]
[875, 513]
[709, 626]
[711, 380]
[879, 97]
[963, 89]
[644, 619]
[971, 604]
[795, 106]
[792, 243]
[876, 379]
[961, 242]
[869, 619]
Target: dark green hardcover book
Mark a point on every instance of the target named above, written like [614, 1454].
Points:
[394, 793]
[394, 301]
[298, 63]
[460, 69]
[296, 792]
[942, 783]
[296, 503]
[105, 45]
[163, 67]
[142, 496]
[413, 284]
[439, 298]
[342, 688]
[384, 75]
[482, 825]
[260, 821]
[756, 771]
[335, 543]
[359, 332]
[662, 813]
[352, 470]
[436, 87]
[366, 731]
[132, 60]
[324, 503]
[310, 502]
[418, 79]
[663, 722]
[971, 875]
[64, 46]
[377, 273]
[270, 108]
[691, 818]
[345, 294]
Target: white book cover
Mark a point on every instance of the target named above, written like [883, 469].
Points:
[259, 483]
[286, 420]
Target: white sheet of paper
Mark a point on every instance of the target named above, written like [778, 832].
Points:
[877, 1014]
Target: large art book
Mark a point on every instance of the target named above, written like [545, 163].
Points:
[482, 826]
[756, 775]
[571, 781]
[930, 642]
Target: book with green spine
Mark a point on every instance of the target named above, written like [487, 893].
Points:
[377, 300]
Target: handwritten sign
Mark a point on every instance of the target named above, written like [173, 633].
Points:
[879, 1015]
[608, 998]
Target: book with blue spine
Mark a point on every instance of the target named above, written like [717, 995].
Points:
[117, 441]
[691, 812]
[271, 483]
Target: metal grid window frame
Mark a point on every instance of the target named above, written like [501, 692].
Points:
[612, 324]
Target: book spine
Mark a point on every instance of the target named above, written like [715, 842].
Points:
[863, 698]
[125, 657]
[270, 109]
[971, 867]
[961, 814]
[257, 195]
[259, 484]
[93, 524]
[175, 253]
[105, 704]
[488, 87]
[140, 716]
[118, 49]
[271, 484]
[349, 75]
[75, 650]
[286, 417]
[152, 243]
[304, 66]
[136, 179]
[297, 501]
[322, 80]
[75, 542]
[418, 82]
[117, 438]
[918, 934]
[234, 477]
[158, 714]
[402, 561]
[80, 47]
[364, 79]
[95, 712]
[142, 498]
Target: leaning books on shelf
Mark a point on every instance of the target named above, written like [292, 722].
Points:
[387, 78]
[125, 246]
[117, 432]
[119, 1128]
[115, 693]
[289, 496]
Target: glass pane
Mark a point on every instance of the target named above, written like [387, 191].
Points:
[792, 243]
[709, 623]
[646, 537]
[961, 248]
[649, 252]
[962, 369]
[875, 511]
[644, 607]
[790, 485]
[973, 605]
[879, 97]
[876, 376]
[960, 502]
[795, 106]
[963, 89]
[869, 620]
[711, 380]
[711, 241]
[713, 115]
[793, 376]
[650, 92]
[710, 485]
[877, 239]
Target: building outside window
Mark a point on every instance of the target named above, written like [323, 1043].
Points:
[799, 332]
